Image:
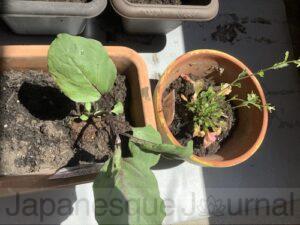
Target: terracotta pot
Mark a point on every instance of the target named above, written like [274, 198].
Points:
[128, 62]
[251, 127]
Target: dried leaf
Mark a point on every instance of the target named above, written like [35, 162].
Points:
[198, 87]
[198, 132]
[209, 139]
[169, 107]
[187, 78]
[226, 89]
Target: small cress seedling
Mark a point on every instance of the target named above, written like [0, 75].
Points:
[208, 105]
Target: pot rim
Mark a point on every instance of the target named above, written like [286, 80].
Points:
[171, 12]
[52, 9]
[162, 122]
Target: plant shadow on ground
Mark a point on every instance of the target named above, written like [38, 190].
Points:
[51, 207]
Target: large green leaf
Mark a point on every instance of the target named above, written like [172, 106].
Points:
[126, 192]
[147, 134]
[81, 67]
[149, 140]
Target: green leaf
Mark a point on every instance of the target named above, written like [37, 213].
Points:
[88, 106]
[84, 117]
[146, 134]
[243, 74]
[81, 67]
[126, 192]
[281, 65]
[270, 108]
[172, 151]
[150, 141]
[118, 108]
[261, 73]
[239, 85]
[286, 57]
[252, 97]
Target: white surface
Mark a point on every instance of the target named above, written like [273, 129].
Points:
[274, 168]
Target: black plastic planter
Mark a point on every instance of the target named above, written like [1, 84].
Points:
[148, 18]
[41, 17]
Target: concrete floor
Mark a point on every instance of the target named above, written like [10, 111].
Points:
[293, 15]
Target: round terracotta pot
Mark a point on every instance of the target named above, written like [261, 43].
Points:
[251, 125]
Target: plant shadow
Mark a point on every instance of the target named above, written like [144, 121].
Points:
[45, 102]
[51, 207]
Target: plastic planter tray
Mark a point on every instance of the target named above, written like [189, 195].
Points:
[128, 62]
[41, 17]
[148, 18]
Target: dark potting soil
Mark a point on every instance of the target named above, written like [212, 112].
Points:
[38, 132]
[182, 126]
[171, 2]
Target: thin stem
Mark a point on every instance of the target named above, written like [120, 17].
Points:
[246, 105]
[263, 70]
[137, 140]
[240, 106]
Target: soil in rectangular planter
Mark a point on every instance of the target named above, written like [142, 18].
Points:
[38, 132]
[182, 126]
[171, 2]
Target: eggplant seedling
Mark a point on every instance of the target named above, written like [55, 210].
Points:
[84, 72]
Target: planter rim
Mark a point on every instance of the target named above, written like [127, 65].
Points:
[42, 8]
[21, 51]
[203, 160]
[170, 12]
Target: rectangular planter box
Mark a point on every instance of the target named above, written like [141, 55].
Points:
[148, 19]
[128, 62]
[40, 17]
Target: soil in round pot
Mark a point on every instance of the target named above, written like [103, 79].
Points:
[182, 126]
[39, 131]
[171, 2]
